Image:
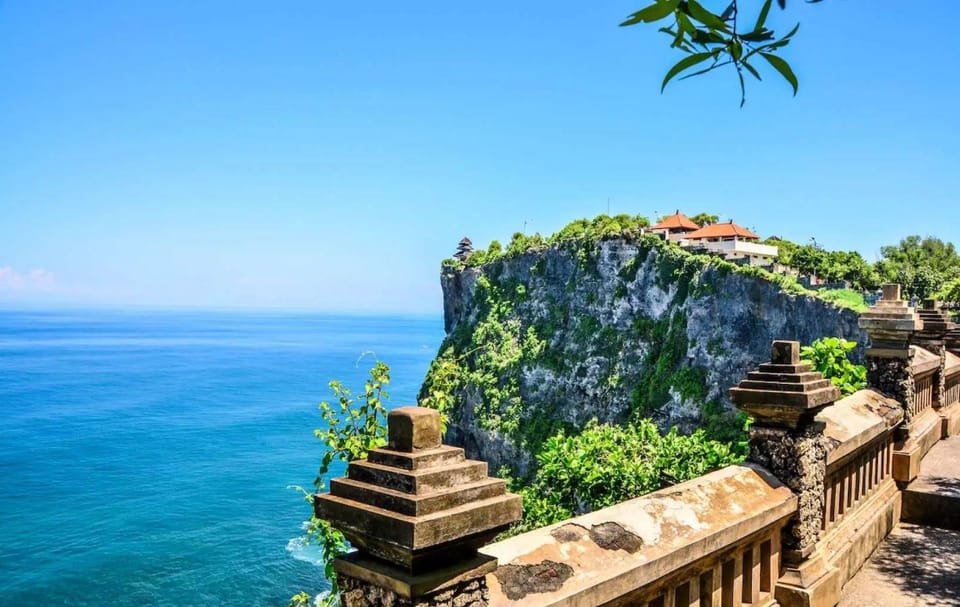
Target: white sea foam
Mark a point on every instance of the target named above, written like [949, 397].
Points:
[303, 551]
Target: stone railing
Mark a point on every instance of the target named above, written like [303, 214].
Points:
[924, 369]
[951, 380]
[714, 540]
[860, 434]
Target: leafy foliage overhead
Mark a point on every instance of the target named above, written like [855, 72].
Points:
[717, 39]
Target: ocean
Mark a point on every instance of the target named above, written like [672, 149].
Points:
[146, 455]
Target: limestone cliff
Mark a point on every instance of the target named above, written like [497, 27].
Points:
[547, 339]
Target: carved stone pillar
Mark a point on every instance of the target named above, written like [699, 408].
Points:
[891, 323]
[932, 337]
[784, 397]
[417, 512]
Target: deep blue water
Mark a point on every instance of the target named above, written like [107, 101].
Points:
[145, 456]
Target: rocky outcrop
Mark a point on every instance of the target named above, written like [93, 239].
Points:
[549, 339]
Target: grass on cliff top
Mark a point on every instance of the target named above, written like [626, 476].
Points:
[583, 232]
[845, 298]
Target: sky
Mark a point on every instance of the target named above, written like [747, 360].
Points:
[327, 156]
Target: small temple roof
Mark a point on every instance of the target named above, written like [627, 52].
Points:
[722, 230]
[677, 221]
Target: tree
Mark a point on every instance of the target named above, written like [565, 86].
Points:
[950, 291]
[719, 39]
[921, 265]
[705, 219]
[835, 266]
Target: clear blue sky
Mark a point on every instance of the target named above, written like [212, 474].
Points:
[328, 155]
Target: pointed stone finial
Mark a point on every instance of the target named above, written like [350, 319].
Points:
[890, 323]
[784, 392]
[416, 508]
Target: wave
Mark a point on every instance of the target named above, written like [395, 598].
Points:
[300, 549]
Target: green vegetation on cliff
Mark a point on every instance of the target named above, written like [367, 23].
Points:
[606, 464]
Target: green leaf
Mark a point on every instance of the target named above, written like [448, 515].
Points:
[757, 35]
[656, 11]
[728, 12]
[736, 50]
[762, 18]
[784, 68]
[751, 69]
[685, 63]
[685, 25]
[705, 37]
[743, 89]
[704, 16]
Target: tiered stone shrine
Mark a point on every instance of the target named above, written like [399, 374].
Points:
[417, 512]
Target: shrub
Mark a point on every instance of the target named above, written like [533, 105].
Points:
[607, 464]
[831, 356]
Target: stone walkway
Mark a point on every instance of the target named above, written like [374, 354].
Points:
[934, 498]
[916, 566]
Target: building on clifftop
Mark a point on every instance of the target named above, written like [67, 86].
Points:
[735, 243]
[675, 227]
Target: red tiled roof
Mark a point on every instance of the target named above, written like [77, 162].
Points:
[677, 221]
[722, 230]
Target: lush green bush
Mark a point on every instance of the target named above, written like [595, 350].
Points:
[607, 464]
[831, 356]
[845, 298]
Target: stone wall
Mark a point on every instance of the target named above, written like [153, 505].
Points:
[357, 593]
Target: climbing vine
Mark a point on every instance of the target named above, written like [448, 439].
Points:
[353, 425]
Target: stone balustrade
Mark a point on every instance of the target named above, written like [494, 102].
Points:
[859, 431]
[952, 381]
[714, 540]
[925, 372]
[861, 499]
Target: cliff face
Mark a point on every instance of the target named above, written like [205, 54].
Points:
[547, 340]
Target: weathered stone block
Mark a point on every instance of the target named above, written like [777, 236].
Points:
[786, 352]
[414, 428]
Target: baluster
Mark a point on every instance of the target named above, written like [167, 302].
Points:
[751, 575]
[827, 508]
[711, 587]
[837, 496]
[733, 581]
[668, 598]
[688, 593]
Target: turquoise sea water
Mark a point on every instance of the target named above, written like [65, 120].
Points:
[145, 455]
